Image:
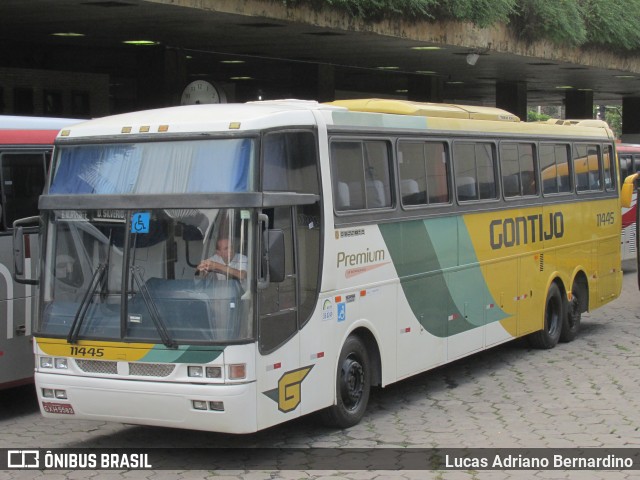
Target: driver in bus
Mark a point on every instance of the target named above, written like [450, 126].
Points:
[224, 263]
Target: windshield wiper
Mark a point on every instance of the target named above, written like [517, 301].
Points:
[96, 280]
[153, 310]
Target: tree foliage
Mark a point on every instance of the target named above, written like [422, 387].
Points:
[375, 9]
[612, 24]
[481, 12]
[560, 21]
[533, 116]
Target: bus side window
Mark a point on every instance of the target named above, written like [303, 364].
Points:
[290, 162]
[554, 165]
[519, 173]
[346, 166]
[625, 166]
[475, 170]
[588, 167]
[609, 168]
[23, 176]
[361, 174]
[424, 172]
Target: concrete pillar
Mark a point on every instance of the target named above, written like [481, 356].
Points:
[175, 75]
[149, 78]
[425, 88]
[631, 119]
[161, 76]
[512, 97]
[314, 82]
[579, 104]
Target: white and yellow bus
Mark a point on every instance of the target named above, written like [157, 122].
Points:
[369, 240]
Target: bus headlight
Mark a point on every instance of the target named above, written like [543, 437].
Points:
[196, 372]
[61, 363]
[46, 362]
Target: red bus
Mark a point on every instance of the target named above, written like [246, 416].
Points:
[629, 157]
[25, 151]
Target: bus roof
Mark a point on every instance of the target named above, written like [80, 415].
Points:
[227, 117]
[374, 113]
[14, 122]
[16, 130]
[405, 107]
[405, 114]
[627, 148]
[28, 137]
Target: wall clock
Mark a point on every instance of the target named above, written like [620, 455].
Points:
[201, 92]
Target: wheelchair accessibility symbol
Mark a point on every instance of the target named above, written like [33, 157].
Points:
[140, 222]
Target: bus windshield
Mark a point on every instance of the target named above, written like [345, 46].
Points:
[167, 276]
[186, 166]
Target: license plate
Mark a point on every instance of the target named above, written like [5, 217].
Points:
[63, 408]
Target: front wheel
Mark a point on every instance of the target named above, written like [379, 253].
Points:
[353, 384]
[554, 315]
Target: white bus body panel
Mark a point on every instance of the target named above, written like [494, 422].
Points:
[153, 403]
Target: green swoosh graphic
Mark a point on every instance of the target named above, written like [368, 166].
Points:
[444, 299]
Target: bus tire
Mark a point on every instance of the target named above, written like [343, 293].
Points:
[571, 323]
[353, 384]
[554, 316]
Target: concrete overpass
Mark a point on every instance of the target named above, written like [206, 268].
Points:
[260, 49]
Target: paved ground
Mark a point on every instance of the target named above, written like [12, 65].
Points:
[582, 394]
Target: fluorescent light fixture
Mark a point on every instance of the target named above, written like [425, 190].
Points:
[564, 87]
[388, 68]
[141, 43]
[426, 48]
[241, 78]
[625, 76]
[232, 62]
[67, 34]
[426, 72]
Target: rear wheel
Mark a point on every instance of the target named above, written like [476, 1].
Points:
[353, 383]
[554, 316]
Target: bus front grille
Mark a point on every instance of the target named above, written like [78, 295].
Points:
[151, 369]
[103, 367]
[97, 366]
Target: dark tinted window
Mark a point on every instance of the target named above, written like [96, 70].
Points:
[361, 174]
[475, 170]
[424, 172]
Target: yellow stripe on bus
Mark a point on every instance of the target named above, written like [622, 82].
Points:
[95, 350]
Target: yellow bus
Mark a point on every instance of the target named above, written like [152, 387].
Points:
[231, 267]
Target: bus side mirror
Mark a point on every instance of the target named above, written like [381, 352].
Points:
[22, 247]
[628, 189]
